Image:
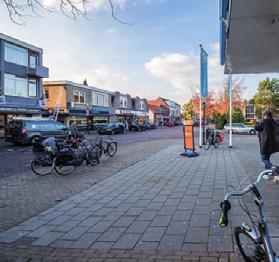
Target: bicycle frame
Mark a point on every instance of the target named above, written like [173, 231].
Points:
[262, 225]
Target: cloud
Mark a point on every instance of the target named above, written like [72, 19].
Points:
[182, 71]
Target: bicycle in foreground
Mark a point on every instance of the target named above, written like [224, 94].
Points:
[253, 241]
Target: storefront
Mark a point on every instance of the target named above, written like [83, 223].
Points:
[124, 115]
[141, 116]
[8, 113]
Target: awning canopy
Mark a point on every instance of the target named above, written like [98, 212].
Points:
[249, 36]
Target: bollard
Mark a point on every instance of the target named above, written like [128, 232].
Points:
[188, 135]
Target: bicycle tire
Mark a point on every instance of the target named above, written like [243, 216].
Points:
[94, 155]
[217, 142]
[208, 143]
[43, 161]
[60, 168]
[257, 254]
[112, 148]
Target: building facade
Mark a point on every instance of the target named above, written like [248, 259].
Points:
[21, 74]
[123, 106]
[141, 110]
[159, 111]
[174, 109]
[78, 104]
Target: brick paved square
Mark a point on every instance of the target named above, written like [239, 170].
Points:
[112, 234]
[197, 235]
[127, 241]
[147, 246]
[138, 227]
[161, 221]
[47, 239]
[177, 228]
[86, 240]
[75, 233]
[153, 234]
[171, 243]
[147, 215]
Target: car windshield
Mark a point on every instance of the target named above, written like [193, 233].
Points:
[111, 125]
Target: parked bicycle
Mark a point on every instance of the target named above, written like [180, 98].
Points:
[253, 241]
[107, 147]
[213, 138]
[68, 158]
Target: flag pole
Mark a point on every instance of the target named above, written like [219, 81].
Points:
[200, 140]
[230, 139]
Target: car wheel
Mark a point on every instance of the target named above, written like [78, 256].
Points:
[252, 132]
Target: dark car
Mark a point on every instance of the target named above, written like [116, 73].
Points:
[134, 126]
[21, 131]
[147, 125]
[111, 129]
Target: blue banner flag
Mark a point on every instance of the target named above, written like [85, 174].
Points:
[229, 86]
[204, 88]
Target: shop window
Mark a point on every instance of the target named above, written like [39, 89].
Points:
[15, 86]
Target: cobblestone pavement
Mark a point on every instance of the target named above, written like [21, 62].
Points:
[165, 204]
[23, 154]
[23, 194]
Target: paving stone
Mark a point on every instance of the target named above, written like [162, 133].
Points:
[146, 246]
[101, 226]
[47, 239]
[153, 234]
[171, 242]
[194, 247]
[138, 227]
[182, 215]
[124, 221]
[200, 220]
[220, 243]
[62, 243]
[127, 241]
[177, 228]
[41, 231]
[113, 216]
[112, 234]
[12, 236]
[167, 211]
[86, 240]
[160, 221]
[197, 235]
[147, 215]
[66, 226]
[90, 221]
[102, 245]
[82, 216]
[75, 233]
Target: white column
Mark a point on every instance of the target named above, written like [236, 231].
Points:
[230, 139]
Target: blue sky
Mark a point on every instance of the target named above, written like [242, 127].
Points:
[158, 56]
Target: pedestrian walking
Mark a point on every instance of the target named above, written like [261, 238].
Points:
[126, 126]
[268, 137]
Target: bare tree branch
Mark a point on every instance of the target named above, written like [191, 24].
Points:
[70, 8]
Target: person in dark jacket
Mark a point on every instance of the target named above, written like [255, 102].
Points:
[268, 138]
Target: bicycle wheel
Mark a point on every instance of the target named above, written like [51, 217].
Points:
[208, 143]
[63, 165]
[94, 155]
[42, 165]
[250, 249]
[217, 142]
[112, 148]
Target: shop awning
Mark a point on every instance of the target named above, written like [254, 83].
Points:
[249, 39]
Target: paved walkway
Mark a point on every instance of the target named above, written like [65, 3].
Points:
[165, 203]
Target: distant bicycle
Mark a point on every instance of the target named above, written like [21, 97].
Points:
[213, 138]
[107, 147]
[253, 241]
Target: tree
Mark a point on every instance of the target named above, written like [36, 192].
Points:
[187, 110]
[267, 97]
[18, 9]
[237, 116]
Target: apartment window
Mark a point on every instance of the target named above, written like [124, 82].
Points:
[141, 105]
[100, 99]
[16, 55]
[32, 87]
[15, 86]
[79, 97]
[123, 101]
[32, 61]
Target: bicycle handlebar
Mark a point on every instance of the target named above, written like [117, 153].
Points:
[226, 206]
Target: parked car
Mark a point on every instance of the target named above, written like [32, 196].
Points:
[240, 128]
[134, 126]
[147, 125]
[21, 131]
[153, 125]
[178, 123]
[111, 129]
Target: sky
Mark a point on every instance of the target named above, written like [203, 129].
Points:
[156, 56]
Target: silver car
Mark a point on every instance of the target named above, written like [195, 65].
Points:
[240, 129]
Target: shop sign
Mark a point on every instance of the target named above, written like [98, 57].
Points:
[2, 100]
[124, 112]
[20, 110]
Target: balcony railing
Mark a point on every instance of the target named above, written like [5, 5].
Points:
[39, 71]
